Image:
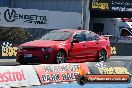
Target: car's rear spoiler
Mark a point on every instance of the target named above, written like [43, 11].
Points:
[107, 37]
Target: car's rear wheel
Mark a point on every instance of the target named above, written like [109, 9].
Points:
[60, 57]
[102, 55]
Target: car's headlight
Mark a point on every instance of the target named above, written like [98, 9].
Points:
[47, 49]
[20, 48]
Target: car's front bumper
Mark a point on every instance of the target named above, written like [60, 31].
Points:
[36, 56]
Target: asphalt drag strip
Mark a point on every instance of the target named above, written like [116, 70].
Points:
[12, 62]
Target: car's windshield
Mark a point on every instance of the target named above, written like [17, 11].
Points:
[57, 36]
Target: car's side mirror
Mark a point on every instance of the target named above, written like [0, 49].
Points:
[97, 39]
[75, 41]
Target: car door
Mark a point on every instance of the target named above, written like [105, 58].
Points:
[92, 45]
[79, 50]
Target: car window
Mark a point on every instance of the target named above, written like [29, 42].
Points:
[91, 36]
[79, 36]
[96, 37]
[57, 36]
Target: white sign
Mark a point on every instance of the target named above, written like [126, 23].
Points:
[34, 18]
[17, 76]
[27, 18]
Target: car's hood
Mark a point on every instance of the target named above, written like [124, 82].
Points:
[42, 43]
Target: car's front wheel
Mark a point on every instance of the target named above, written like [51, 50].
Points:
[60, 57]
[102, 55]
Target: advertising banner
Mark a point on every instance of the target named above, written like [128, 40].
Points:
[34, 18]
[16, 76]
[59, 73]
[111, 5]
[8, 50]
[26, 18]
[113, 67]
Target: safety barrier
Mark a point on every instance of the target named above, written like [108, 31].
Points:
[121, 49]
[113, 67]
[36, 75]
[28, 75]
[17, 76]
[8, 50]
[59, 73]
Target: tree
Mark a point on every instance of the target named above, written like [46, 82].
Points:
[15, 34]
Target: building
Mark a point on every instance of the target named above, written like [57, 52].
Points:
[59, 14]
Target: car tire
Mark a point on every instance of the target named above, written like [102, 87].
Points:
[102, 56]
[60, 57]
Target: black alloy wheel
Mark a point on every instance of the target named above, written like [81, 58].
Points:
[60, 57]
[102, 55]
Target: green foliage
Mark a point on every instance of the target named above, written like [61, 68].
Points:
[15, 34]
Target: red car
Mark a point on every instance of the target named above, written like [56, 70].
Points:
[65, 45]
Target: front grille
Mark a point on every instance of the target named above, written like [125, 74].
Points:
[46, 57]
[30, 49]
[32, 59]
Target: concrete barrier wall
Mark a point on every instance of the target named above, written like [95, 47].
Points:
[8, 49]
[122, 49]
[113, 67]
[57, 73]
[17, 76]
